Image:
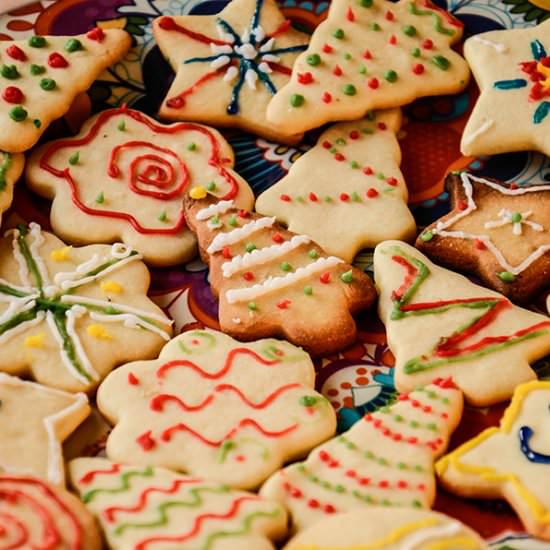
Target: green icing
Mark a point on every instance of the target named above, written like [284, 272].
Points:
[124, 485]
[4, 168]
[438, 22]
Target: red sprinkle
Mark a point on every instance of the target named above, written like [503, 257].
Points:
[427, 44]
[354, 134]
[373, 83]
[393, 40]
[146, 441]
[327, 48]
[392, 181]
[305, 78]
[96, 34]
[248, 276]
[329, 509]
[277, 238]
[133, 379]
[513, 186]
[350, 16]
[16, 53]
[327, 144]
[295, 492]
[313, 197]
[445, 383]
[324, 456]
[402, 484]
[285, 198]
[364, 481]
[325, 277]
[57, 61]
[12, 94]
[371, 193]
[244, 214]
[381, 126]
[327, 98]
[389, 15]
[337, 71]
[283, 304]
[226, 253]
[384, 484]
[167, 24]
[368, 171]
[462, 205]
[418, 68]
[339, 157]
[344, 197]
[351, 473]
[313, 503]
[367, 54]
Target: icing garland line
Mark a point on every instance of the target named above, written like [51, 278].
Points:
[222, 240]
[124, 483]
[436, 15]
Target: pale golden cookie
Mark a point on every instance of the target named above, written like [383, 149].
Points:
[145, 508]
[70, 315]
[438, 323]
[512, 70]
[34, 422]
[11, 167]
[370, 54]
[216, 408]
[347, 193]
[510, 461]
[124, 178]
[40, 77]
[384, 459]
[229, 65]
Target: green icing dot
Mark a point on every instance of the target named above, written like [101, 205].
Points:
[516, 217]
[18, 113]
[313, 59]
[250, 247]
[308, 400]
[328, 199]
[340, 141]
[37, 69]
[37, 123]
[162, 216]
[506, 277]
[74, 158]
[297, 100]
[390, 76]
[362, 70]
[415, 52]
[233, 221]
[375, 26]
[37, 42]
[426, 236]
[122, 126]
[380, 176]
[100, 199]
[9, 71]
[416, 504]
[347, 56]
[285, 266]
[347, 277]
[367, 131]
[354, 164]
[409, 30]
[308, 290]
[211, 186]
[73, 45]
[192, 146]
[366, 3]
[252, 306]
[441, 62]
[355, 195]
[338, 33]
[349, 89]
[313, 254]
[48, 84]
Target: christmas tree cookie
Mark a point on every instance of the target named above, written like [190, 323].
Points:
[34, 422]
[371, 54]
[385, 459]
[70, 315]
[11, 167]
[40, 77]
[124, 178]
[35, 514]
[351, 181]
[229, 65]
[272, 282]
[497, 230]
[510, 461]
[216, 408]
[439, 323]
[145, 508]
[512, 70]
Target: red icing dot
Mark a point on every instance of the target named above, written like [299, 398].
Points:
[96, 34]
[362, 381]
[313, 197]
[444, 415]
[16, 53]
[283, 304]
[350, 16]
[324, 456]
[277, 238]
[415, 403]
[427, 44]
[146, 441]
[327, 144]
[344, 197]
[285, 198]
[364, 481]
[295, 492]
[345, 385]
[367, 54]
[513, 185]
[13, 94]
[327, 48]
[176, 103]
[327, 98]
[373, 83]
[240, 458]
[313, 503]
[226, 253]
[393, 40]
[325, 277]
[418, 68]
[133, 379]
[403, 397]
[248, 276]
[371, 193]
[402, 484]
[57, 61]
[337, 71]
[384, 484]
[339, 157]
[412, 440]
[445, 383]
[427, 409]
[368, 171]
[329, 509]
[381, 125]
[421, 487]
[389, 15]
[354, 134]
[397, 437]
[305, 78]
[462, 205]
[392, 181]
[244, 214]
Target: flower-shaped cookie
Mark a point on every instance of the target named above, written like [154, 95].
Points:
[512, 69]
[124, 177]
[69, 315]
[40, 78]
[229, 65]
[217, 408]
[11, 167]
[145, 508]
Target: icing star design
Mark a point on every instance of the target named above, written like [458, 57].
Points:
[50, 416]
[512, 69]
[509, 461]
[229, 65]
[483, 210]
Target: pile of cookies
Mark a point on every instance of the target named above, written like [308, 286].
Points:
[129, 192]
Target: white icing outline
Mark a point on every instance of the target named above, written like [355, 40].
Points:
[498, 46]
[214, 210]
[222, 240]
[415, 539]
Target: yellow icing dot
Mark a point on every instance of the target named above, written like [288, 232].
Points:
[111, 286]
[198, 192]
[35, 341]
[99, 332]
[61, 254]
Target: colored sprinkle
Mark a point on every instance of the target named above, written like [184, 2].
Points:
[327, 98]
[163, 216]
[249, 247]
[349, 89]
[372, 192]
[441, 62]
[313, 59]
[313, 254]
[297, 100]
[74, 158]
[338, 33]
[347, 56]
[390, 76]
[37, 42]
[371, 115]
[122, 125]
[100, 199]
[415, 52]
[506, 277]
[192, 146]
[308, 290]
[362, 70]
[327, 48]
[73, 45]
[48, 84]
[347, 277]
[37, 69]
[427, 44]
[37, 123]
[340, 141]
[409, 30]
[328, 199]
[233, 220]
[211, 186]
[355, 197]
[9, 71]
[375, 27]
[308, 400]
[198, 192]
[373, 83]
[426, 236]
[252, 306]
[366, 3]
[516, 217]
[354, 164]
[285, 266]
[418, 68]
[18, 113]
[285, 197]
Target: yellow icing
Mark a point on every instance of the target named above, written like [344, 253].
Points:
[546, 72]
[487, 473]
[61, 254]
[198, 192]
[35, 341]
[98, 331]
[111, 286]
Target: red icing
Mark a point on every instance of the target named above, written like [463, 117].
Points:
[354, 134]
[392, 181]
[337, 71]
[16, 53]
[277, 238]
[12, 94]
[282, 28]
[248, 276]
[226, 253]
[305, 78]
[344, 197]
[89, 477]
[350, 16]
[445, 383]
[381, 126]
[168, 24]
[445, 14]
[285, 198]
[96, 34]
[313, 197]
[8, 521]
[283, 304]
[373, 83]
[57, 61]
[133, 379]
[327, 48]
[177, 102]
[389, 15]
[393, 40]
[325, 277]
[327, 144]
[418, 68]
[327, 97]
[339, 157]
[146, 441]
[480, 245]
[371, 193]
[367, 54]
[427, 44]
[461, 205]
[368, 171]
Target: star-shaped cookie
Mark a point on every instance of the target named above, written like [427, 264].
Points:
[229, 65]
[34, 421]
[216, 408]
[11, 168]
[512, 69]
[124, 177]
[145, 508]
[439, 323]
[70, 315]
[510, 461]
[351, 181]
[497, 230]
[371, 54]
[385, 459]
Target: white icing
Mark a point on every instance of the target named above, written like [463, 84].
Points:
[275, 283]
[230, 74]
[418, 538]
[37, 241]
[16, 305]
[264, 67]
[247, 50]
[270, 58]
[236, 320]
[226, 239]
[220, 48]
[22, 327]
[268, 46]
[251, 77]
[23, 270]
[506, 217]
[467, 139]
[131, 321]
[262, 255]
[500, 48]
[259, 33]
[214, 210]
[74, 313]
[220, 62]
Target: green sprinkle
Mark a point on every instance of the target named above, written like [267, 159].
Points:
[506, 277]
[328, 199]
[355, 195]
[516, 217]
[416, 504]
[9, 71]
[233, 220]
[367, 131]
[431, 426]
[347, 277]
[333, 150]
[441, 62]
[339, 488]
[211, 186]
[390, 76]
[366, 3]
[338, 33]
[100, 199]
[297, 100]
[362, 70]
[340, 141]
[37, 69]
[398, 418]
[426, 236]
[354, 164]
[162, 216]
[308, 400]
[18, 113]
[313, 254]
[414, 424]
[37, 123]
[74, 158]
[314, 59]
[37, 42]
[250, 247]
[375, 26]
[415, 52]
[73, 45]
[301, 199]
[48, 84]
[122, 125]
[409, 30]
[192, 146]
[401, 465]
[252, 306]
[285, 266]
[347, 56]
[380, 176]
[349, 89]
[308, 290]
[371, 115]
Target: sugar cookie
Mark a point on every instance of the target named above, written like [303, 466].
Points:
[11, 167]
